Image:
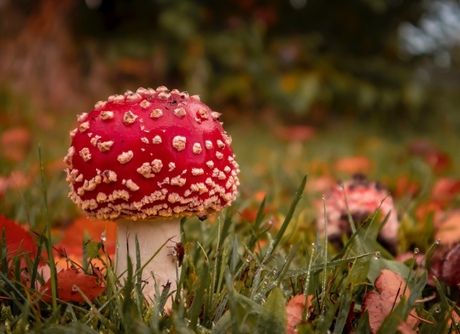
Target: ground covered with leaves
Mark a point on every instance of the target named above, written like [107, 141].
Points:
[270, 263]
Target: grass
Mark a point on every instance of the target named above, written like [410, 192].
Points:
[240, 269]
[236, 278]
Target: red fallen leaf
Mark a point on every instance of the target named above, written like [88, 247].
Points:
[451, 266]
[445, 265]
[445, 189]
[432, 155]
[353, 165]
[380, 303]
[18, 240]
[69, 281]
[425, 209]
[405, 187]
[294, 310]
[74, 235]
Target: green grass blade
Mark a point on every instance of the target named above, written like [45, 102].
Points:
[47, 232]
[289, 214]
[196, 307]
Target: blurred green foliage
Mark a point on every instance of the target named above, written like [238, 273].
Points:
[299, 60]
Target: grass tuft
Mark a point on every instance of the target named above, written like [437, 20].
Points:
[236, 277]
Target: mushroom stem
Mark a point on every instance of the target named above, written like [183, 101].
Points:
[151, 235]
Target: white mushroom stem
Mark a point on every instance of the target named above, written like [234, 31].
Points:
[152, 235]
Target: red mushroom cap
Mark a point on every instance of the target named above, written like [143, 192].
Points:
[151, 153]
[363, 197]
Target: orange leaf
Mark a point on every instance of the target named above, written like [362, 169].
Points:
[15, 143]
[294, 310]
[70, 281]
[353, 165]
[405, 187]
[449, 229]
[445, 189]
[74, 235]
[18, 240]
[380, 303]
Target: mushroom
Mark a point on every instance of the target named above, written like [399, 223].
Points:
[145, 160]
[363, 197]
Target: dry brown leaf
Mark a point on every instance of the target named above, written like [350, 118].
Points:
[389, 289]
[445, 265]
[451, 266]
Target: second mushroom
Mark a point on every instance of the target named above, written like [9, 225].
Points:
[146, 159]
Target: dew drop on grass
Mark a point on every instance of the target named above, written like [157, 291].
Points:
[437, 309]
[104, 236]
[74, 288]
[377, 255]
[437, 242]
[416, 250]
[259, 298]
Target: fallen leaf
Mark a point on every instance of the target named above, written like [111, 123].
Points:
[445, 265]
[294, 310]
[353, 165]
[451, 266]
[295, 132]
[424, 210]
[15, 144]
[448, 231]
[18, 240]
[16, 179]
[389, 288]
[437, 159]
[445, 190]
[69, 282]
[320, 184]
[74, 235]
[405, 187]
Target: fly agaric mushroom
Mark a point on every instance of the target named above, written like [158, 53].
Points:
[145, 160]
[363, 198]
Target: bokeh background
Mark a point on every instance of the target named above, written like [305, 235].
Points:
[300, 83]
